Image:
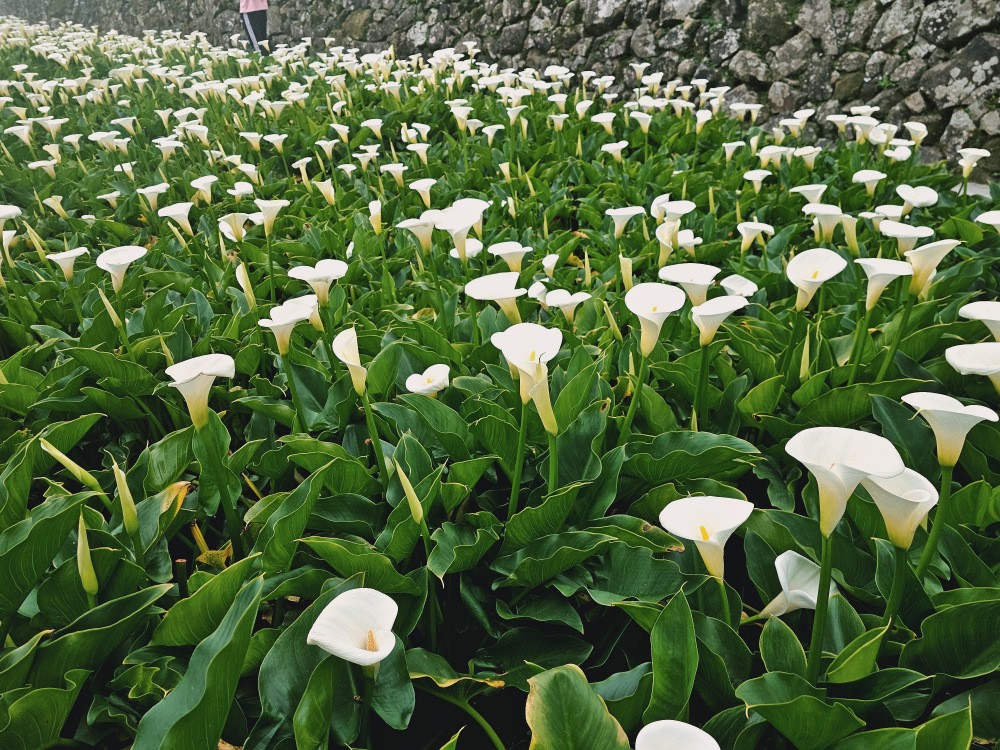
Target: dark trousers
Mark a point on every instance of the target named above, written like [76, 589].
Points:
[255, 25]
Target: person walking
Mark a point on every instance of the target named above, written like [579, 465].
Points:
[254, 15]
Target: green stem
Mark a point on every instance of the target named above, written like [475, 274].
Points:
[299, 420]
[822, 605]
[858, 347]
[473, 713]
[366, 709]
[698, 415]
[218, 470]
[898, 338]
[640, 379]
[515, 481]
[431, 591]
[727, 615]
[793, 341]
[376, 442]
[754, 618]
[898, 586]
[270, 269]
[940, 521]
[553, 463]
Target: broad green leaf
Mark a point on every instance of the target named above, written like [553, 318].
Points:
[780, 648]
[675, 661]
[564, 713]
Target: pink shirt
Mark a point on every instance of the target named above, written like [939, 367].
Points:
[249, 6]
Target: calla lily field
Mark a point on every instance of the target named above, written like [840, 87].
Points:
[350, 400]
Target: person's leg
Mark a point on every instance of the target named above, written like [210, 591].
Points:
[255, 24]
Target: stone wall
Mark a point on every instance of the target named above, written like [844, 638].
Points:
[937, 62]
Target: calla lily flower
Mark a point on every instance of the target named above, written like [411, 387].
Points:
[178, 213]
[566, 302]
[976, 359]
[500, 288]
[117, 260]
[987, 312]
[694, 278]
[652, 303]
[549, 263]
[881, 272]
[950, 420]
[827, 218]
[356, 627]
[270, 209]
[66, 260]
[799, 579]
[916, 197]
[668, 734]
[194, 378]
[906, 235]
[511, 252]
[525, 346]
[839, 458]
[990, 218]
[429, 382]
[904, 501]
[756, 178]
[708, 522]
[925, 260]
[739, 286]
[622, 216]
[750, 231]
[708, 316]
[870, 178]
[812, 193]
[809, 269]
[282, 322]
[320, 277]
[345, 347]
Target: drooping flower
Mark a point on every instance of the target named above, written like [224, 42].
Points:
[976, 359]
[500, 288]
[986, 311]
[282, 322]
[950, 420]
[925, 260]
[270, 209]
[622, 216]
[906, 235]
[652, 303]
[525, 346]
[178, 213]
[356, 627]
[566, 302]
[708, 522]
[320, 277]
[512, 253]
[194, 378]
[881, 272]
[429, 382]
[345, 347]
[66, 260]
[739, 286]
[799, 579]
[904, 502]
[839, 458]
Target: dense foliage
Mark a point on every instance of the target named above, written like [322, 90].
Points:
[163, 563]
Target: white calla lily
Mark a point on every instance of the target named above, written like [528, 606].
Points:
[194, 378]
[668, 734]
[986, 311]
[904, 501]
[710, 315]
[799, 579]
[652, 303]
[117, 260]
[345, 348]
[809, 269]
[708, 522]
[950, 420]
[430, 382]
[356, 627]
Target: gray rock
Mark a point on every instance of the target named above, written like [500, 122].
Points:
[724, 45]
[990, 123]
[852, 61]
[792, 56]
[865, 17]
[959, 131]
[769, 22]
[782, 99]
[949, 22]
[897, 25]
[602, 15]
[915, 102]
[849, 85]
[974, 72]
[644, 41]
[746, 66]
[817, 18]
[678, 10]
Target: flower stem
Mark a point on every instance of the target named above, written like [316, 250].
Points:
[299, 419]
[698, 416]
[270, 269]
[376, 442]
[822, 605]
[727, 615]
[940, 521]
[515, 481]
[366, 709]
[898, 338]
[898, 586]
[793, 341]
[473, 713]
[858, 347]
[640, 379]
[553, 463]
[432, 605]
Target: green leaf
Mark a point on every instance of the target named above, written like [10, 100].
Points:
[675, 661]
[276, 540]
[780, 648]
[460, 546]
[627, 694]
[193, 619]
[798, 710]
[564, 713]
[549, 556]
[857, 659]
[349, 558]
[394, 698]
[33, 719]
[193, 714]
[676, 456]
[956, 642]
